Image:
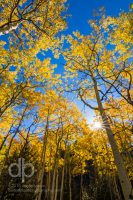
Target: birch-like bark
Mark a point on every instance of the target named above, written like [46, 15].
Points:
[123, 177]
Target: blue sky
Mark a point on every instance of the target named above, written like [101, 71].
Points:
[82, 11]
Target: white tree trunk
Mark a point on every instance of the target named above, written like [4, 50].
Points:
[9, 27]
[123, 177]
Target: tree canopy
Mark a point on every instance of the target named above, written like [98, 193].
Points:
[41, 120]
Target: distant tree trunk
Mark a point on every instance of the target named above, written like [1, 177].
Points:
[15, 134]
[62, 176]
[62, 183]
[56, 185]
[125, 183]
[48, 186]
[53, 184]
[116, 191]
[38, 191]
[70, 184]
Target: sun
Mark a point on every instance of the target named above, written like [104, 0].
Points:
[97, 125]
